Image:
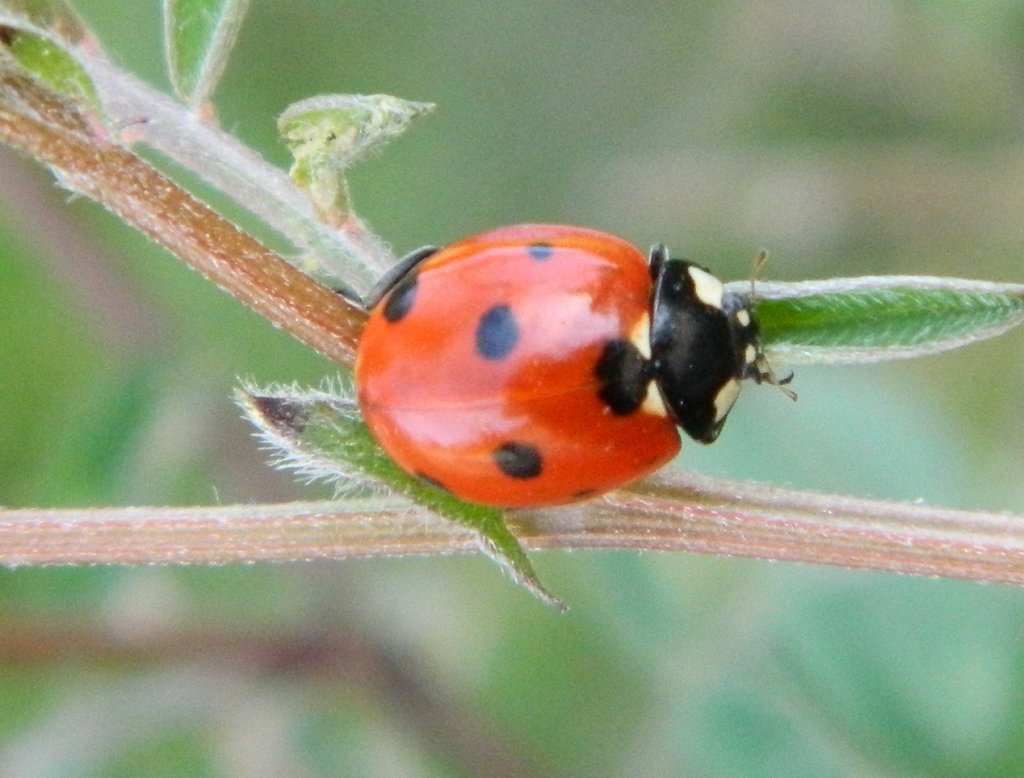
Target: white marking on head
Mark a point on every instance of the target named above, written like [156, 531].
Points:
[743, 317]
[653, 404]
[707, 288]
[725, 398]
[640, 336]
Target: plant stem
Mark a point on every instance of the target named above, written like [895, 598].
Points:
[88, 164]
[675, 511]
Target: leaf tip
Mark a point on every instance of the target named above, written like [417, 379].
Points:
[278, 412]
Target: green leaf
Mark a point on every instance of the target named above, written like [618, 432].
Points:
[877, 318]
[198, 36]
[55, 68]
[322, 436]
[326, 134]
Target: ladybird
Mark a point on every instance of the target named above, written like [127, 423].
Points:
[541, 364]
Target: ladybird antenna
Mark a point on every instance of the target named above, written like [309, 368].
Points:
[760, 260]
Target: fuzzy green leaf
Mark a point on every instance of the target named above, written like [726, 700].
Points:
[321, 436]
[872, 319]
[326, 134]
[55, 68]
[198, 36]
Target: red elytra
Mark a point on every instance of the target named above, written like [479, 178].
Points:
[479, 369]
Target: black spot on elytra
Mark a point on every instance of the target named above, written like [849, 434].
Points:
[496, 333]
[540, 251]
[401, 299]
[432, 482]
[282, 413]
[518, 460]
[624, 375]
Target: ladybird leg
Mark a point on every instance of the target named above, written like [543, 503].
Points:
[395, 273]
[348, 293]
[656, 258]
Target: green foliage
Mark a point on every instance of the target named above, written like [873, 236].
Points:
[198, 36]
[52, 65]
[873, 319]
[326, 134]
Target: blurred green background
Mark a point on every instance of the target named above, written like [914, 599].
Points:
[847, 138]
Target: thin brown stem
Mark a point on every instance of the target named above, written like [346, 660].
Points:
[157, 207]
[676, 511]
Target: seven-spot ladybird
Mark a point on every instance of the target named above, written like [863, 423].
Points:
[544, 364]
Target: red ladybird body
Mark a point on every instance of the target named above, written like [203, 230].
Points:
[494, 364]
[514, 368]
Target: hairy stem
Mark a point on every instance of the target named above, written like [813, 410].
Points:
[675, 511]
[86, 163]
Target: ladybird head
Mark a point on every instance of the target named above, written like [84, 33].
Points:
[704, 342]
